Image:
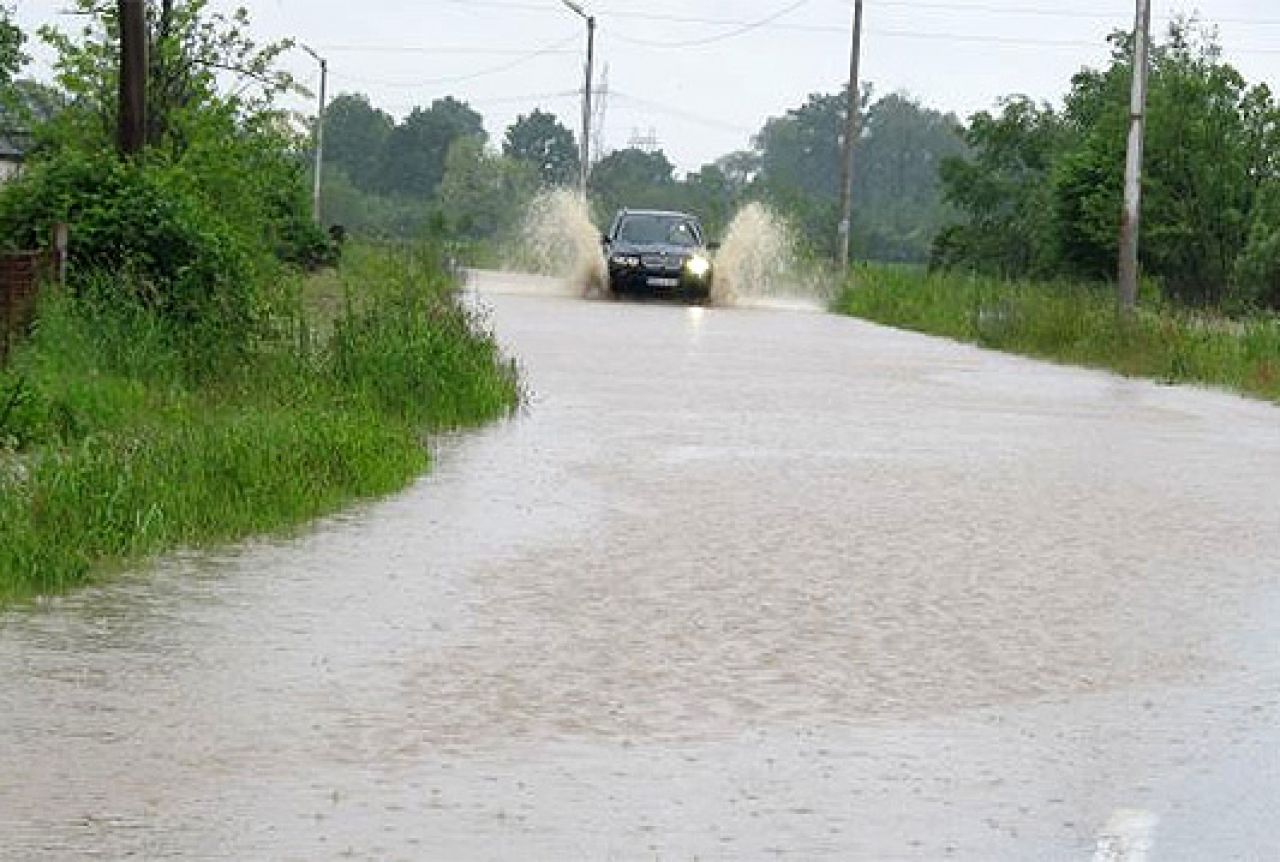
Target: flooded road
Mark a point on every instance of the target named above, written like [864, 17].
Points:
[739, 584]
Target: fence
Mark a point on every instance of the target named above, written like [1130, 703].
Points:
[21, 275]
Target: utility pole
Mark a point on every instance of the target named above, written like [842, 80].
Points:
[1131, 220]
[319, 167]
[586, 102]
[132, 129]
[586, 89]
[850, 138]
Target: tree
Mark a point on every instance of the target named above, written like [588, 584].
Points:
[483, 194]
[800, 151]
[635, 178]
[356, 134]
[198, 225]
[414, 159]
[897, 190]
[1207, 156]
[11, 41]
[1004, 192]
[1042, 191]
[542, 141]
[897, 199]
[196, 58]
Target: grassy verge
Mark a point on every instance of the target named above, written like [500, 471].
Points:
[1073, 324]
[122, 436]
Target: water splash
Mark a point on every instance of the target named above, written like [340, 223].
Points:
[557, 237]
[757, 259]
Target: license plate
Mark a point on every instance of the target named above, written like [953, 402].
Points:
[664, 282]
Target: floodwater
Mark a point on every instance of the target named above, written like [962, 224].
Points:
[739, 584]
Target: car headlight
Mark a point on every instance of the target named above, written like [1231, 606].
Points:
[698, 266]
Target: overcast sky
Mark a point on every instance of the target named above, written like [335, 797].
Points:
[709, 96]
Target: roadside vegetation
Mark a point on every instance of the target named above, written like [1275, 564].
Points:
[213, 368]
[128, 436]
[1074, 323]
[1028, 266]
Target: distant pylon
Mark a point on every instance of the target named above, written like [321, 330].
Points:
[601, 111]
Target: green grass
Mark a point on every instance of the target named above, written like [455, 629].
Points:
[1076, 324]
[122, 437]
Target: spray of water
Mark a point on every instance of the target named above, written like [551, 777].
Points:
[756, 265]
[757, 259]
[558, 238]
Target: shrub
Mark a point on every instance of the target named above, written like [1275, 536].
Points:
[176, 256]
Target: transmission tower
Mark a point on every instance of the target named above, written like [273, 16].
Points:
[646, 141]
[600, 114]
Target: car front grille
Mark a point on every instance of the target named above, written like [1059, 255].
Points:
[666, 262]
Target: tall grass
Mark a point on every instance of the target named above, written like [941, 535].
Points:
[1075, 324]
[122, 436]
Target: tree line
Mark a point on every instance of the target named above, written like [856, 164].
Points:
[437, 169]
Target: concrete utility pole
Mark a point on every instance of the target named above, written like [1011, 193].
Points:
[132, 129]
[319, 168]
[1132, 218]
[850, 138]
[586, 90]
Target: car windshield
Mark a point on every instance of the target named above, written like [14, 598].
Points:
[650, 229]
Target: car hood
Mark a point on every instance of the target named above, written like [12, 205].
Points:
[654, 248]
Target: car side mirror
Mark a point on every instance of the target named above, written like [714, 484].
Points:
[713, 246]
[604, 239]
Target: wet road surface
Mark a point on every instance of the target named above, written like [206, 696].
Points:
[739, 584]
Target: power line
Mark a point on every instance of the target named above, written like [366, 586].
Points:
[1100, 16]
[742, 29]
[499, 100]
[455, 79]
[688, 116]
[430, 49]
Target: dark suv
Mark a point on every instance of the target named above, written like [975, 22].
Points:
[660, 253]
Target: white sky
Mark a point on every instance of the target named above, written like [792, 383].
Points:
[705, 100]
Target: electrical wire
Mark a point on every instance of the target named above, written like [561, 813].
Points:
[742, 30]
[455, 79]
[698, 119]
[427, 49]
[1101, 16]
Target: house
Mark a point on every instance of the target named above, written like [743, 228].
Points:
[13, 148]
[10, 159]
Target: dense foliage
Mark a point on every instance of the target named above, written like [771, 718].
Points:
[541, 141]
[11, 40]
[794, 166]
[1042, 191]
[200, 224]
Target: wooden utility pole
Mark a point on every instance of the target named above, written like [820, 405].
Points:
[586, 102]
[585, 156]
[133, 76]
[1131, 220]
[850, 138]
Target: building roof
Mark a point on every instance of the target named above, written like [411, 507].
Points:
[14, 144]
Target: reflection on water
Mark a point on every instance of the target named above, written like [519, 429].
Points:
[738, 583]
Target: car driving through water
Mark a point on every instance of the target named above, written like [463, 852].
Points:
[658, 253]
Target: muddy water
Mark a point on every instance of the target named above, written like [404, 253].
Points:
[740, 584]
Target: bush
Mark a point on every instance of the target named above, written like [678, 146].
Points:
[171, 253]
